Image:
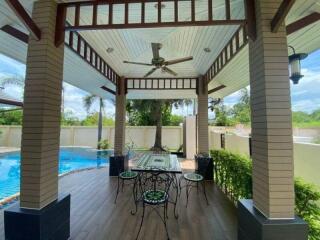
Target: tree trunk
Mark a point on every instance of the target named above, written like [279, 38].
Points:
[158, 118]
[100, 122]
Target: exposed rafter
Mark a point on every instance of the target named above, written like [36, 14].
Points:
[143, 21]
[216, 89]
[303, 22]
[60, 24]
[281, 14]
[11, 102]
[232, 48]
[24, 17]
[108, 90]
[16, 33]
[251, 19]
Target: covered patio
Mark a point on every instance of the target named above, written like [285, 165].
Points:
[95, 216]
[185, 49]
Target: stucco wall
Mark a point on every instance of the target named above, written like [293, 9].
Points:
[143, 137]
[306, 155]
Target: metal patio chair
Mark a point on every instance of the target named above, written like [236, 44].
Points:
[155, 196]
[193, 180]
[131, 179]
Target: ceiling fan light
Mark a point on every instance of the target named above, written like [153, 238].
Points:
[110, 50]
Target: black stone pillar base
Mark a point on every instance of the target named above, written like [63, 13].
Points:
[252, 225]
[51, 222]
[118, 164]
[203, 167]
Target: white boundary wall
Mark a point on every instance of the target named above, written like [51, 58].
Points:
[143, 137]
[306, 155]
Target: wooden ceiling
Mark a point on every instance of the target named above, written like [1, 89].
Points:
[135, 44]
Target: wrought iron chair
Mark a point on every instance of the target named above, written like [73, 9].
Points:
[194, 179]
[155, 195]
[131, 178]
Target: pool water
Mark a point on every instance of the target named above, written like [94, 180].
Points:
[69, 159]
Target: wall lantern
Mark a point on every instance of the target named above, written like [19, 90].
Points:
[295, 66]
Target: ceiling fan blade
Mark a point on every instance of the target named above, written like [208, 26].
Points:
[185, 59]
[138, 63]
[150, 72]
[168, 70]
[155, 50]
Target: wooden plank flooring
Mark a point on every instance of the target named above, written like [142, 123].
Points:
[95, 216]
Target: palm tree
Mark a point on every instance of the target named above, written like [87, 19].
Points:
[88, 102]
[153, 110]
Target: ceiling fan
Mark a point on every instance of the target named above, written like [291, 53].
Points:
[159, 62]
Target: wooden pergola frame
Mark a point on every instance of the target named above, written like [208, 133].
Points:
[247, 27]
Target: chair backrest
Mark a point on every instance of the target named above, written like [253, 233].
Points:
[156, 181]
[203, 165]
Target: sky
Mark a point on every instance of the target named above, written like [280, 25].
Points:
[305, 96]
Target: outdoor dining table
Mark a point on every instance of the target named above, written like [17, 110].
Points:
[160, 164]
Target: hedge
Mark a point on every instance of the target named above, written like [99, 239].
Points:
[233, 174]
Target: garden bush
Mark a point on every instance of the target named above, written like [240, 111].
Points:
[233, 174]
[104, 144]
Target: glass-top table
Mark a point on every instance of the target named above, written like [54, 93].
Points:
[158, 163]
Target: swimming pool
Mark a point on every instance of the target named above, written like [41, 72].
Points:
[70, 158]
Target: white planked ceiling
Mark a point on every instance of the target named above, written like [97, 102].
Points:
[135, 45]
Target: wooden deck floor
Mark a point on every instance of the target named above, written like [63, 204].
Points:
[95, 216]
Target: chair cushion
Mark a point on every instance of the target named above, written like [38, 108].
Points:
[193, 177]
[155, 196]
[128, 175]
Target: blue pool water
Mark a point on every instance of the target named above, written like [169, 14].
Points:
[69, 159]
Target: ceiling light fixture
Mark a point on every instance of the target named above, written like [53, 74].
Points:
[207, 50]
[110, 50]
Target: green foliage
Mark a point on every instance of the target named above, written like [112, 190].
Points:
[93, 119]
[307, 207]
[142, 112]
[306, 120]
[241, 111]
[11, 117]
[233, 174]
[68, 119]
[175, 120]
[103, 144]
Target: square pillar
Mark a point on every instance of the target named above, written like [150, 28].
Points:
[119, 161]
[40, 138]
[202, 117]
[271, 213]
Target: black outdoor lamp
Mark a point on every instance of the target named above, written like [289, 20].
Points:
[295, 66]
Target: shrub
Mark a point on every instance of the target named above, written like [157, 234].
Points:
[104, 144]
[233, 174]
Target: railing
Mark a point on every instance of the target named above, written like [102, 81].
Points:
[232, 48]
[119, 14]
[161, 83]
[80, 46]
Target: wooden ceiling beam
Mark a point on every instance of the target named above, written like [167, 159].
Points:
[24, 17]
[303, 22]
[281, 14]
[216, 89]
[16, 33]
[11, 102]
[251, 19]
